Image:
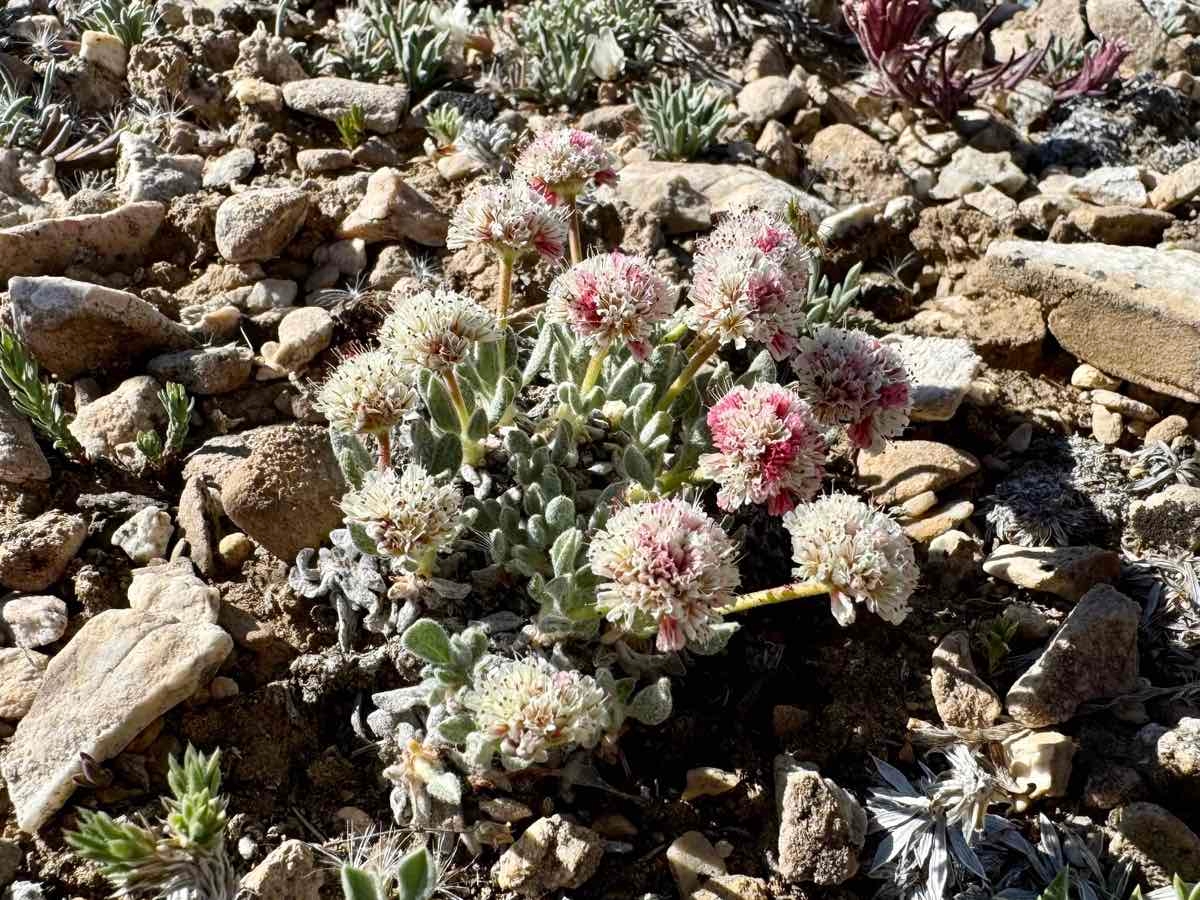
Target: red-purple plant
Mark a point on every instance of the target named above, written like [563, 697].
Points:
[935, 74]
[1097, 70]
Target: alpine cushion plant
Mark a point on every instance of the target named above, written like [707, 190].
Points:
[367, 393]
[769, 449]
[561, 165]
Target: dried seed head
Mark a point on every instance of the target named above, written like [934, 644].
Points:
[511, 218]
[560, 164]
[850, 378]
[532, 708]
[410, 516]
[436, 329]
[667, 567]
[367, 393]
[769, 449]
[750, 282]
[612, 298]
[860, 552]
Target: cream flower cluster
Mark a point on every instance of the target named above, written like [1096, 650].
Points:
[436, 329]
[561, 164]
[612, 298]
[750, 282]
[852, 379]
[410, 515]
[511, 218]
[860, 552]
[667, 568]
[531, 708]
[367, 393]
[769, 449]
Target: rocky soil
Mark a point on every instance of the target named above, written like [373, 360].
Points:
[1036, 265]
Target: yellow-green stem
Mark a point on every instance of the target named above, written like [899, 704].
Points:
[675, 334]
[781, 594]
[592, 375]
[573, 236]
[504, 289]
[472, 451]
[699, 357]
[673, 480]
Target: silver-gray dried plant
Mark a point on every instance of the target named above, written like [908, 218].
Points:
[929, 825]
[1019, 869]
[1159, 464]
[353, 581]
[488, 142]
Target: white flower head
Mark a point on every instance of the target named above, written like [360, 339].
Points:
[436, 329]
[511, 218]
[769, 449]
[750, 282]
[408, 515]
[667, 567]
[852, 379]
[531, 708]
[612, 298]
[561, 164]
[367, 393]
[859, 552]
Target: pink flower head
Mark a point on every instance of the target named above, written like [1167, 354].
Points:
[852, 379]
[750, 282]
[560, 164]
[511, 218]
[667, 568]
[770, 449]
[612, 297]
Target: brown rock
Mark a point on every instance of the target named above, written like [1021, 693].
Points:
[962, 698]
[905, 469]
[1157, 842]
[1067, 572]
[856, 163]
[391, 210]
[35, 554]
[551, 855]
[1007, 332]
[21, 673]
[285, 494]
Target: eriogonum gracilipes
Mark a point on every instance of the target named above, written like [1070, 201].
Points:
[528, 708]
[436, 330]
[667, 569]
[855, 554]
[749, 283]
[611, 299]
[769, 449]
[850, 378]
[367, 393]
[561, 165]
[408, 515]
[512, 220]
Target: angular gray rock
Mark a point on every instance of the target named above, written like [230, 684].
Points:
[303, 333]
[108, 426]
[289, 872]
[822, 828]
[35, 554]
[1093, 656]
[207, 371]
[770, 97]
[1132, 312]
[706, 190]
[122, 670]
[940, 370]
[146, 172]
[104, 241]
[229, 168]
[35, 620]
[255, 225]
[72, 327]
[1067, 572]
[391, 210]
[971, 170]
[384, 105]
[962, 698]
[552, 855]
[21, 459]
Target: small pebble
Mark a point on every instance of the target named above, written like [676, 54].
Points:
[917, 506]
[223, 688]
[1126, 406]
[1107, 426]
[1167, 430]
[1020, 438]
[708, 781]
[1089, 377]
[505, 809]
[235, 549]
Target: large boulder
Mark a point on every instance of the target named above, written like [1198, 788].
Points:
[72, 327]
[1133, 312]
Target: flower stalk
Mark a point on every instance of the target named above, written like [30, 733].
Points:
[782, 594]
[592, 375]
[472, 451]
[573, 235]
[700, 355]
